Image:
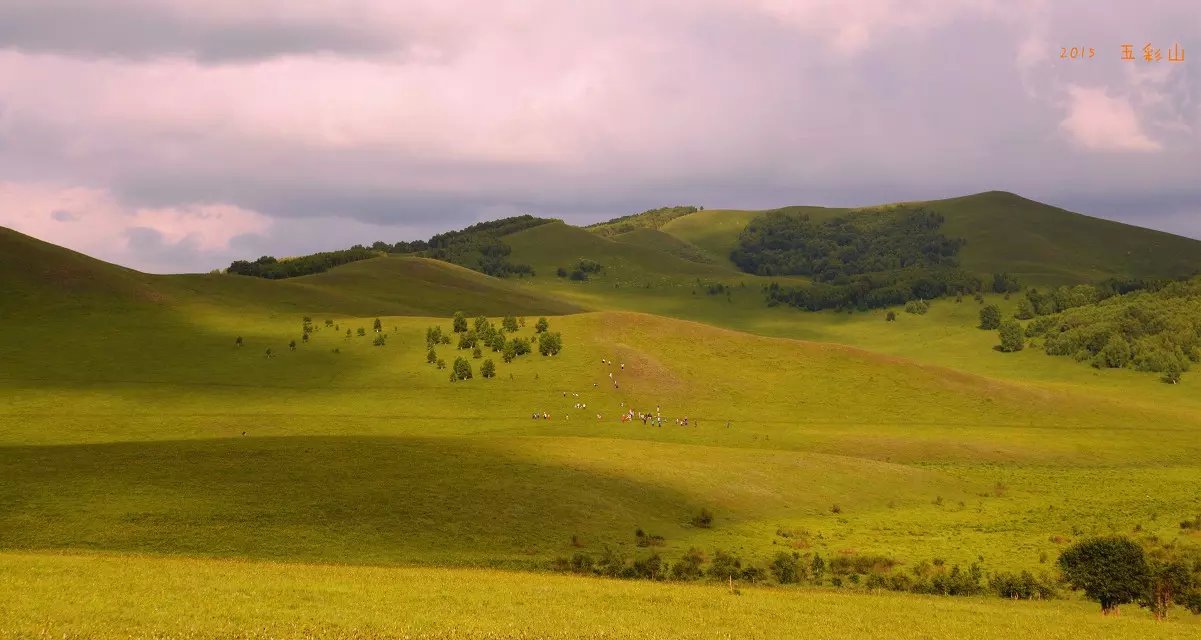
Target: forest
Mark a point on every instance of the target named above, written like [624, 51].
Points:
[477, 247]
[271, 268]
[649, 219]
[1157, 328]
[780, 243]
[862, 260]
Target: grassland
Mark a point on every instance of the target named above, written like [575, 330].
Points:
[43, 596]
[323, 490]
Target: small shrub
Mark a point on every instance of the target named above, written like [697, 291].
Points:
[704, 519]
[891, 316]
[488, 369]
[917, 307]
[689, 566]
[725, 566]
[835, 509]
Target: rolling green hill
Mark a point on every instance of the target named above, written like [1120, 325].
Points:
[1039, 243]
[36, 275]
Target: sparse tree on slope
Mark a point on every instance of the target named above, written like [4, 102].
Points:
[1012, 336]
[990, 317]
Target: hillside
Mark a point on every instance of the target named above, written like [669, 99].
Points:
[165, 419]
[1039, 243]
[36, 275]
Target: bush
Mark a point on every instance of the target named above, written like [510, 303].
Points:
[431, 356]
[380, 340]
[477, 353]
[542, 325]
[361, 332]
[704, 519]
[689, 566]
[488, 369]
[1111, 571]
[1021, 586]
[990, 317]
[725, 566]
[460, 322]
[917, 307]
[509, 324]
[1012, 337]
[786, 568]
[891, 316]
[441, 363]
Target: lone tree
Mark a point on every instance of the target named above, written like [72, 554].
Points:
[292, 346]
[542, 325]
[238, 341]
[488, 369]
[462, 368]
[460, 322]
[1111, 571]
[431, 356]
[268, 352]
[1012, 338]
[509, 324]
[990, 317]
[378, 326]
[549, 344]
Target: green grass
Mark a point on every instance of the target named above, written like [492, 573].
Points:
[44, 596]
[133, 431]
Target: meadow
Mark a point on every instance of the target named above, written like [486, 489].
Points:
[322, 490]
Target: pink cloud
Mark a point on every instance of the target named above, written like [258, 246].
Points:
[1099, 122]
[91, 221]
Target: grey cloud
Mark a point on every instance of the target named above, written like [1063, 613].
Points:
[147, 30]
[63, 215]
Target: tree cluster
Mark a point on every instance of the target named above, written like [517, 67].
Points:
[1156, 330]
[650, 219]
[1116, 570]
[875, 290]
[274, 269]
[479, 247]
[781, 243]
[481, 334]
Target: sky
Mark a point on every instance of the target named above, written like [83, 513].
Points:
[178, 135]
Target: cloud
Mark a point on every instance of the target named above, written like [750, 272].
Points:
[408, 118]
[1099, 122]
[92, 221]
